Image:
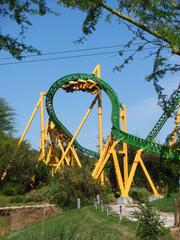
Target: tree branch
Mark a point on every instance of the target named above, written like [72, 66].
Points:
[174, 5]
[131, 20]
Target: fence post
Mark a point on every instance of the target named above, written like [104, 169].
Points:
[78, 203]
[102, 206]
[98, 199]
[95, 203]
[120, 212]
[107, 209]
[177, 212]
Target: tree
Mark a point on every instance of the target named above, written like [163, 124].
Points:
[7, 117]
[154, 22]
[20, 13]
[23, 161]
[19, 162]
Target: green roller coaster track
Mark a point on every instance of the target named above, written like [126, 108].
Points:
[146, 144]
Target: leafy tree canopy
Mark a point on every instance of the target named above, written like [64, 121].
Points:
[7, 117]
[20, 13]
[154, 22]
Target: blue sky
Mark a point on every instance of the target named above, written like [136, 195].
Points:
[21, 84]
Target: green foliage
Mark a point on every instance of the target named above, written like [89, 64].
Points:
[72, 183]
[152, 23]
[85, 223]
[62, 235]
[20, 13]
[18, 162]
[166, 204]
[157, 18]
[150, 226]
[42, 174]
[164, 172]
[12, 189]
[22, 164]
[7, 117]
[33, 197]
[139, 194]
[38, 195]
[170, 172]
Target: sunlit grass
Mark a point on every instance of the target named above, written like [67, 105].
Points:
[84, 224]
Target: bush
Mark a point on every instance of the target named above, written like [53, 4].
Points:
[42, 174]
[139, 194]
[12, 189]
[72, 183]
[40, 195]
[150, 226]
[17, 199]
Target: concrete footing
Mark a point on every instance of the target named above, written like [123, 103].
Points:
[125, 201]
[153, 198]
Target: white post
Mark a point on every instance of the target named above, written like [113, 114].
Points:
[78, 203]
[98, 199]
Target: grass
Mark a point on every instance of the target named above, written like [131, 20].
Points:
[35, 196]
[166, 204]
[86, 223]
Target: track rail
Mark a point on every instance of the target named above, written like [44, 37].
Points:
[91, 83]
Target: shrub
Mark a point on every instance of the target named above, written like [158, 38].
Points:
[12, 189]
[139, 194]
[72, 183]
[42, 174]
[150, 226]
[38, 195]
[17, 199]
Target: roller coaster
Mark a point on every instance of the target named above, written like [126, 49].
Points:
[92, 84]
[61, 138]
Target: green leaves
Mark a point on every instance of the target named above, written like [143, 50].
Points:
[150, 226]
[7, 117]
[72, 183]
[20, 12]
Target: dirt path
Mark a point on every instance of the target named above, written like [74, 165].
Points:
[127, 211]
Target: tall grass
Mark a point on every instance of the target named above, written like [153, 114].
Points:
[83, 224]
[60, 234]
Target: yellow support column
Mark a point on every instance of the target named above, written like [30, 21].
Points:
[137, 160]
[76, 156]
[148, 177]
[132, 172]
[62, 151]
[76, 133]
[97, 71]
[118, 172]
[30, 121]
[48, 155]
[100, 133]
[125, 150]
[102, 161]
[42, 145]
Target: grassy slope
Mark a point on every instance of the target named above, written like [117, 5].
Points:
[166, 204]
[86, 221]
